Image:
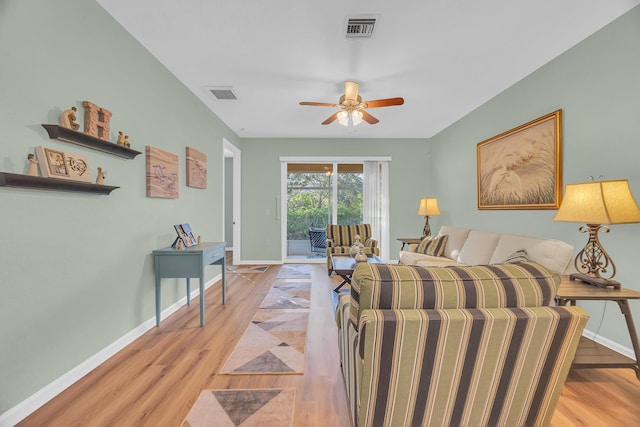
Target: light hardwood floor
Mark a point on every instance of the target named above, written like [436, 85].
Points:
[156, 379]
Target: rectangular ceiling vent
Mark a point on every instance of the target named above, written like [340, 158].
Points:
[360, 28]
[223, 93]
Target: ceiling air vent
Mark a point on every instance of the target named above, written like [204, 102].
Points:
[223, 93]
[360, 28]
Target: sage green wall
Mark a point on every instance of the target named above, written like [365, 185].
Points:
[261, 186]
[597, 85]
[76, 270]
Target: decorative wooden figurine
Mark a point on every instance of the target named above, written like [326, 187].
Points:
[180, 245]
[199, 239]
[120, 138]
[33, 165]
[126, 141]
[100, 178]
[68, 119]
[96, 120]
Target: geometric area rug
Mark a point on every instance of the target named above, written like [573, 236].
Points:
[294, 271]
[242, 408]
[288, 293]
[273, 343]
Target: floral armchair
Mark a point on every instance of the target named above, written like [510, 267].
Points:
[340, 238]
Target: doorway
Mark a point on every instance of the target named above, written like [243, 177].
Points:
[231, 195]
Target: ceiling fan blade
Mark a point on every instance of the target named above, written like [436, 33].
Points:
[384, 102]
[318, 104]
[331, 118]
[369, 118]
[351, 91]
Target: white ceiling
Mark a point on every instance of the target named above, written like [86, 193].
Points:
[445, 57]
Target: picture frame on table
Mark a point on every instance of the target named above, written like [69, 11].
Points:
[185, 234]
[522, 167]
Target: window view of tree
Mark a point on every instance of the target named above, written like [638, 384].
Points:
[309, 198]
[349, 198]
[308, 201]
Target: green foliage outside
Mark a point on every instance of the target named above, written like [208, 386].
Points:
[309, 198]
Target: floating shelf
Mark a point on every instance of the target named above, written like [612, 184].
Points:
[40, 183]
[79, 138]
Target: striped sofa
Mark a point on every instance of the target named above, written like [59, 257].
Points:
[455, 346]
[340, 238]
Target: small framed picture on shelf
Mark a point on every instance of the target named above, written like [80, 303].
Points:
[63, 165]
[185, 234]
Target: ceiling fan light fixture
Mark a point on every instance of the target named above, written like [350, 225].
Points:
[343, 118]
[355, 115]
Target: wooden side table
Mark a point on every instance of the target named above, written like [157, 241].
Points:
[589, 353]
[408, 241]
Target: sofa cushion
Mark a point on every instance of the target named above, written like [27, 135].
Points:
[455, 239]
[554, 254]
[479, 247]
[432, 245]
[384, 286]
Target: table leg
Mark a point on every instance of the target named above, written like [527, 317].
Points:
[202, 296]
[157, 299]
[188, 291]
[345, 280]
[624, 308]
[224, 280]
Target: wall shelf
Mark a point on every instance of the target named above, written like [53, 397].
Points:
[79, 138]
[40, 183]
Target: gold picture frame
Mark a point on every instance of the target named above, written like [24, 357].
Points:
[522, 168]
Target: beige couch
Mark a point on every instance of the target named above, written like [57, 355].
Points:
[474, 247]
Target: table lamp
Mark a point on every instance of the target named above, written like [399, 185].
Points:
[427, 208]
[596, 203]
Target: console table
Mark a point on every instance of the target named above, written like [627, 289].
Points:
[188, 262]
[589, 353]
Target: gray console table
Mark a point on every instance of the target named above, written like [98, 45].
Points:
[189, 262]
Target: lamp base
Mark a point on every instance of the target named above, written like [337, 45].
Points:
[596, 281]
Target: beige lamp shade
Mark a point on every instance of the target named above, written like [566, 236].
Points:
[428, 207]
[599, 202]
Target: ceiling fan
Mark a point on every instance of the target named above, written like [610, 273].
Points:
[352, 108]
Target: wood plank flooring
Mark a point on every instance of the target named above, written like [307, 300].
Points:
[156, 379]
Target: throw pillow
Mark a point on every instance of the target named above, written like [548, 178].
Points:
[432, 245]
[517, 256]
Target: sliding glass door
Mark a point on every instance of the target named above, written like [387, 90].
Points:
[319, 194]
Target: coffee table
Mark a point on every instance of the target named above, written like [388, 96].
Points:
[344, 264]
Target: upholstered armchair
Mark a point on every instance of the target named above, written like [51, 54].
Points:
[340, 238]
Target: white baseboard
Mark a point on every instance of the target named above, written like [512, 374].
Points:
[257, 262]
[618, 348]
[57, 386]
